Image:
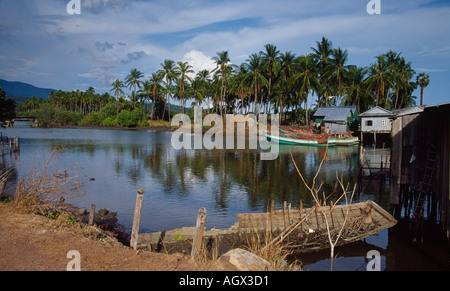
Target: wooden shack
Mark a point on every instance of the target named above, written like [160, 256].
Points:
[419, 158]
[336, 119]
[376, 122]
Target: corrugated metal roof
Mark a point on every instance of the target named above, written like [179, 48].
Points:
[335, 113]
[408, 110]
[377, 111]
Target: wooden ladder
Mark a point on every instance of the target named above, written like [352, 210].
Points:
[425, 186]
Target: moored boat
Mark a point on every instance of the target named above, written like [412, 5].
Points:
[292, 139]
[303, 230]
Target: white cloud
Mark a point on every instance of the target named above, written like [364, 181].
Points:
[110, 37]
[199, 61]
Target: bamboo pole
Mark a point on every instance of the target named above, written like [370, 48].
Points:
[199, 227]
[136, 219]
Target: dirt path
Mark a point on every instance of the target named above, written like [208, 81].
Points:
[31, 242]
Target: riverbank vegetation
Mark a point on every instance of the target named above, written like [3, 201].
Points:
[269, 81]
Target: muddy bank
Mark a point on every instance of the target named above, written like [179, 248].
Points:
[36, 243]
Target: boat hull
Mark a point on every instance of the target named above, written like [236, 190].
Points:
[283, 139]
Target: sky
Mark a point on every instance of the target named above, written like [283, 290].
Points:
[42, 44]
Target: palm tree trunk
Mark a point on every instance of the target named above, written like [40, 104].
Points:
[421, 95]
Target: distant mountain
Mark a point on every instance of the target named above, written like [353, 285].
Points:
[19, 89]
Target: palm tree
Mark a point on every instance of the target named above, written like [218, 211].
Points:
[337, 70]
[197, 90]
[132, 80]
[257, 80]
[223, 62]
[401, 73]
[271, 62]
[117, 86]
[155, 80]
[379, 78]
[168, 72]
[306, 79]
[322, 55]
[286, 72]
[203, 75]
[355, 88]
[423, 80]
[183, 69]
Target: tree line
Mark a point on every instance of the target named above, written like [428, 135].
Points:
[269, 81]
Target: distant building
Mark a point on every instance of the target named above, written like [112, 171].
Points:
[336, 119]
[376, 120]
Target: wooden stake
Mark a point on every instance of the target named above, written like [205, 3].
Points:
[16, 144]
[136, 219]
[199, 227]
[91, 215]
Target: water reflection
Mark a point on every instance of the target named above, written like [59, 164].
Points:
[115, 163]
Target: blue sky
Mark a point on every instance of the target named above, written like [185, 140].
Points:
[41, 44]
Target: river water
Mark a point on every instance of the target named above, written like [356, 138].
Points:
[114, 164]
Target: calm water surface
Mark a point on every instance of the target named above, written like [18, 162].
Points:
[114, 164]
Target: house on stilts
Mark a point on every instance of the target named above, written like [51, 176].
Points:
[419, 172]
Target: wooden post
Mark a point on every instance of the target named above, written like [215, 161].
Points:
[136, 219]
[199, 226]
[91, 215]
[16, 144]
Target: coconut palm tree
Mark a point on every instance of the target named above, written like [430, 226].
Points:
[183, 69]
[380, 79]
[117, 86]
[204, 76]
[254, 65]
[322, 55]
[423, 80]
[356, 92]
[286, 72]
[306, 79]
[223, 67]
[155, 83]
[271, 63]
[168, 72]
[132, 80]
[336, 71]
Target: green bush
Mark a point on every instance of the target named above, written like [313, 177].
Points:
[143, 123]
[90, 119]
[109, 110]
[63, 116]
[130, 118]
[109, 121]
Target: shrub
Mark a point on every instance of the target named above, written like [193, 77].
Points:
[109, 121]
[130, 118]
[143, 123]
[63, 116]
[90, 119]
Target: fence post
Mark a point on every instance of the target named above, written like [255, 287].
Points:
[91, 215]
[200, 225]
[136, 219]
[16, 144]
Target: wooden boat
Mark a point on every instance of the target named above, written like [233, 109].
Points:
[287, 138]
[344, 139]
[305, 230]
[308, 227]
